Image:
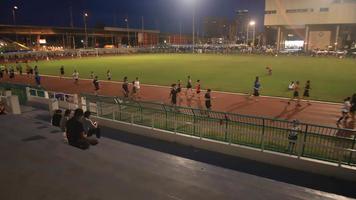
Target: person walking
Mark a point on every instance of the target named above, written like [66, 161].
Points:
[136, 88]
[173, 95]
[125, 87]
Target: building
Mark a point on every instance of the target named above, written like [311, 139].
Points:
[69, 37]
[310, 24]
[215, 27]
[242, 22]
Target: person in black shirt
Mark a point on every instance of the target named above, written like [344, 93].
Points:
[179, 93]
[96, 85]
[125, 87]
[173, 95]
[208, 99]
[61, 71]
[306, 93]
[75, 131]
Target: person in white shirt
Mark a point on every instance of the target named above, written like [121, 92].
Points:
[76, 76]
[293, 136]
[291, 86]
[345, 111]
[136, 88]
[90, 127]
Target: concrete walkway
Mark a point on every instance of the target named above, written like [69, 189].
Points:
[36, 165]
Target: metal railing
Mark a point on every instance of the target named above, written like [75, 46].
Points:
[314, 141]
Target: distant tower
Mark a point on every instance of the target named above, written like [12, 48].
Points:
[242, 20]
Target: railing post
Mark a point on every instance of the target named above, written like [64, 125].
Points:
[153, 123]
[301, 143]
[304, 139]
[352, 150]
[226, 126]
[194, 122]
[263, 135]
[175, 126]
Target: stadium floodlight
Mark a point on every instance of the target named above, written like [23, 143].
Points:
[192, 4]
[253, 24]
[85, 16]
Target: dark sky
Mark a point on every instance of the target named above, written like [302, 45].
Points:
[165, 15]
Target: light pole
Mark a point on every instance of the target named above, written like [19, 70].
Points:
[85, 29]
[253, 24]
[14, 9]
[193, 27]
[128, 31]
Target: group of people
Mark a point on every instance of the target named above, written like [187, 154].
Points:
[348, 110]
[31, 72]
[176, 94]
[78, 128]
[295, 87]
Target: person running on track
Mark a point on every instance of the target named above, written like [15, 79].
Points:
[173, 95]
[208, 99]
[125, 87]
[108, 75]
[179, 93]
[256, 88]
[96, 85]
[306, 93]
[92, 75]
[136, 88]
[76, 76]
[189, 83]
[295, 94]
[61, 72]
[345, 111]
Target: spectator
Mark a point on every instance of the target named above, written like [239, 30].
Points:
[63, 123]
[2, 108]
[90, 127]
[293, 136]
[353, 106]
[76, 133]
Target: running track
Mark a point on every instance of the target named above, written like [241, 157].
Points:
[318, 113]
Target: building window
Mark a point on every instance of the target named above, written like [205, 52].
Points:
[297, 10]
[324, 9]
[269, 12]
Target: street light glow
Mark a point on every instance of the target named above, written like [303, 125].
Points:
[86, 14]
[15, 7]
[252, 23]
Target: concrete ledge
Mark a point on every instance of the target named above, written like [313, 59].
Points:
[273, 158]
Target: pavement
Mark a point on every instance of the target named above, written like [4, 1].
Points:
[36, 164]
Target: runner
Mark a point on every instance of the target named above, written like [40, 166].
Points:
[179, 93]
[198, 88]
[295, 94]
[344, 111]
[28, 70]
[189, 83]
[269, 70]
[92, 75]
[208, 100]
[125, 87]
[189, 94]
[173, 95]
[108, 75]
[36, 70]
[136, 89]
[96, 85]
[38, 80]
[61, 71]
[306, 94]
[76, 76]
[256, 89]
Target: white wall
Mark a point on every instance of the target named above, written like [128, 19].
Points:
[339, 13]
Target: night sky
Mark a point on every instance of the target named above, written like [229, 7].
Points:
[165, 15]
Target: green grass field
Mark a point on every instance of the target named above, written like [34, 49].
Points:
[332, 79]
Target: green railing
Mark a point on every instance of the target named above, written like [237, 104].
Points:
[314, 141]
[16, 89]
